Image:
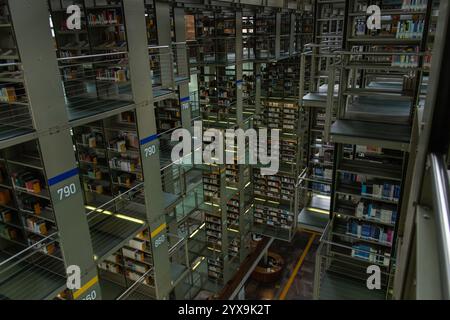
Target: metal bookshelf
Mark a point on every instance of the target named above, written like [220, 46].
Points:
[109, 129]
[277, 107]
[317, 88]
[377, 102]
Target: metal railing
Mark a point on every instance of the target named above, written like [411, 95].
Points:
[23, 273]
[330, 261]
[135, 287]
[441, 205]
[432, 271]
[208, 51]
[15, 115]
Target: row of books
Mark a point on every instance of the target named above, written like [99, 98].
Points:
[410, 29]
[106, 17]
[113, 74]
[27, 180]
[414, 4]
[375, 212]
[401, 29]
[366, 252]
[93, 139]
[9, 233]
[36, 225]
[320, 187]
[383, 235]
[405, 61]
[371, 187]
[8, 94]
[383, 191]
[323, 172]
[124, 141]
[126, 165]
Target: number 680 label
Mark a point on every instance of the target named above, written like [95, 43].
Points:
[67, 191]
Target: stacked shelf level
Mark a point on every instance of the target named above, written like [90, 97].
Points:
[330, 16]
[93, 59]
[15, 119]
[108, 156]
[275, 195]
[367, 203]
[131, 263]
[26, 219]
[379, 74]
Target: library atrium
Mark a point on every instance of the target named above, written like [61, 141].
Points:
[224, 150]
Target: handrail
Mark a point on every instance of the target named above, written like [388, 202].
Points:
[93, 56]
[301, 177]
[29, 248]
[9, 64]
[99, 209]
[159, 47]
[330, 102]
[325, 232]
[441, 207]
[365, 53]
[324, 241]
[177, 244]
[138, 281]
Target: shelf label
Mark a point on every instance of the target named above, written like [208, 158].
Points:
[88, 291]
[159, 240]
[149, 146]
[148, 139]
[150, 150]
[64, 186]
[63, 176]
[66, 191]
[185, 104]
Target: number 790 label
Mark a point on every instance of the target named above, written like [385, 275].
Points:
[67, 191]
[149, 151]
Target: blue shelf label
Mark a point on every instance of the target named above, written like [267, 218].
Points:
[148, 139]
[63, 176]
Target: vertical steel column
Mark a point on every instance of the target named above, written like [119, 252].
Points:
[149, 143]
[435, 101]
[183, 67]
[43, 83]
[227, 272]
[277, 34]
[164, 29]
[292, 35]
[183, 89]
[257, 67]
[239, 69]
[239, 119]
[163, 26]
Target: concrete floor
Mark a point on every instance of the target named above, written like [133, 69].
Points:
[302, 287]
